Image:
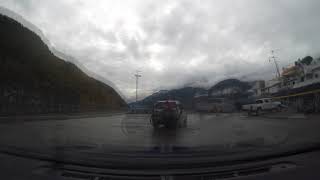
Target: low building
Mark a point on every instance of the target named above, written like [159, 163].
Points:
[139, 109]
[271, 86]
[226, 91]
[257, 88]
[205, 103]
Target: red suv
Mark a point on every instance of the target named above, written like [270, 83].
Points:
[168, 113]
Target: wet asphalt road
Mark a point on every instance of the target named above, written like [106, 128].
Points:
[125, 131]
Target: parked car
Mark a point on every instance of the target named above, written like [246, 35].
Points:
[265, 104]
[169, 114]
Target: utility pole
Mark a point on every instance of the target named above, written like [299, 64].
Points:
[137, 75]
[275, 62]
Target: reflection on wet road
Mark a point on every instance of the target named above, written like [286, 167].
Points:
[135, 131]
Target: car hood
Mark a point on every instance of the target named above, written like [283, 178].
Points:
[179, 157]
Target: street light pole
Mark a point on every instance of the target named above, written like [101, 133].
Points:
[137, 75]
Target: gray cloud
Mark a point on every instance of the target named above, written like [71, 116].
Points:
[176, 43]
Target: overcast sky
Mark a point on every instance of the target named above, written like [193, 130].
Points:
[176, 43]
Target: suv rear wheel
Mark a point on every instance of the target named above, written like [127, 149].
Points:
[172, 124]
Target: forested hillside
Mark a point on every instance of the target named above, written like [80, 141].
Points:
[34, 80]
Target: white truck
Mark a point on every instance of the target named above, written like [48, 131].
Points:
[264, 104]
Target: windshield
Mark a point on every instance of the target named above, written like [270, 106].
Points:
[80, 80]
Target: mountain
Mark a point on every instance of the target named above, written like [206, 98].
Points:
[230, 83]
[184, 95]
[34, 80]
[234, 90]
